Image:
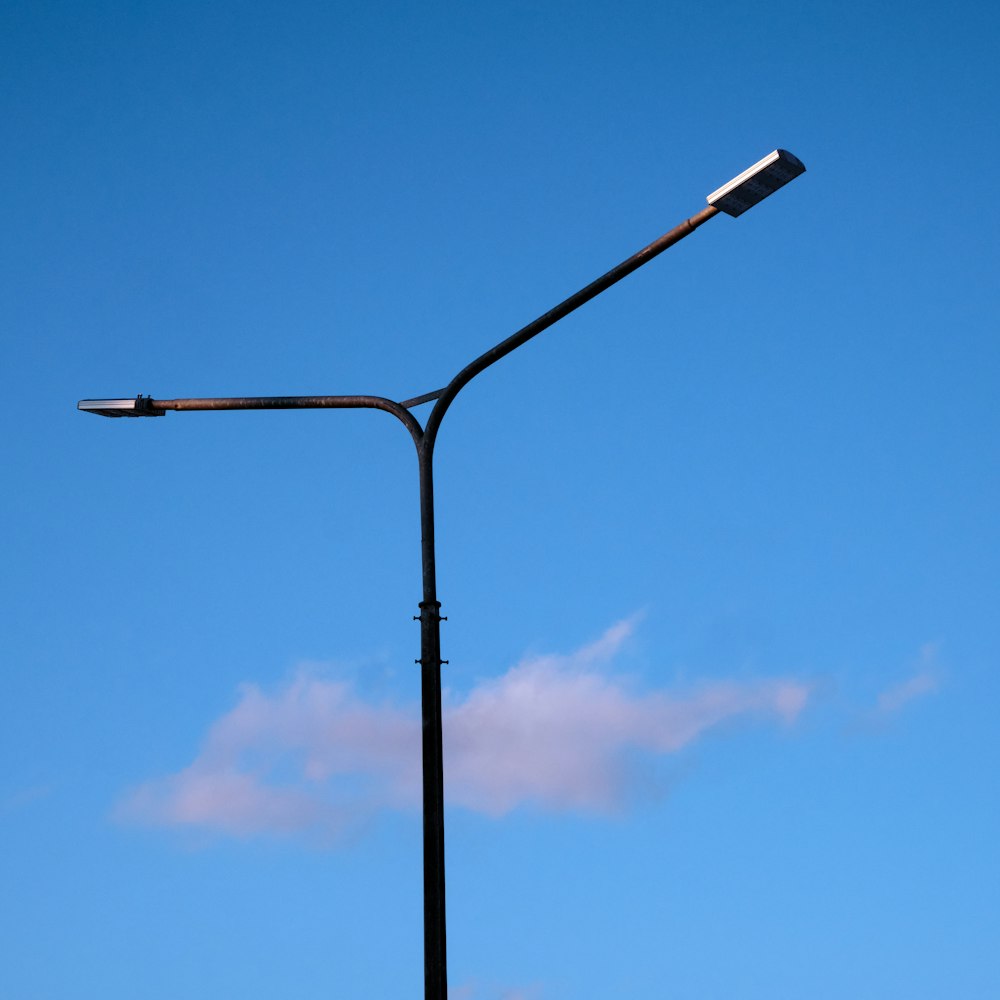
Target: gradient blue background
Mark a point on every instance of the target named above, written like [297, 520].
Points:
[779, 441]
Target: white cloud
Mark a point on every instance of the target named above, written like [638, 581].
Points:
[554, 732]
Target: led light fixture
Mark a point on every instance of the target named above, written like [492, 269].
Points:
[138, 407]
[755, 184]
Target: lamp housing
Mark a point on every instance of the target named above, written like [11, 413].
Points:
[757, 182]
[138, 407]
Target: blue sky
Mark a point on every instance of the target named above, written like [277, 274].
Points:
[718, 552]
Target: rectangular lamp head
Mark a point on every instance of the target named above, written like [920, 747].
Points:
[138, 407]
[755, 184]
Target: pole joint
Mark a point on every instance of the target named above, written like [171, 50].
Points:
[430, 611]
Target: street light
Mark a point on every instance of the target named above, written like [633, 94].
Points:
[734, 198]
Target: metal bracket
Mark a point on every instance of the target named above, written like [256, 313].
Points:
[417, 400]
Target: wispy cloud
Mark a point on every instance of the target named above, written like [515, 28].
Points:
[894, 698]
[554, 732]
[470, 991]
[24, 798]
[923, 681]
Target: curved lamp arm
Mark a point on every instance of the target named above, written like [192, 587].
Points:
[469, 372]
[146, 406]
[296, 403]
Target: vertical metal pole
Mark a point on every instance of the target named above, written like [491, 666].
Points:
[435, 955]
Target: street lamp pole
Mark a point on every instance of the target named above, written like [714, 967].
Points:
[734, 198]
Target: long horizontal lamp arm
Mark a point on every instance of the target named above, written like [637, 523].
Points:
[274, 403]
[292, 403]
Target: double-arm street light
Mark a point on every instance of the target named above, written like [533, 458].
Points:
[734, 198]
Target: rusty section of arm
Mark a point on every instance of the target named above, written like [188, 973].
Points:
[295, 403]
